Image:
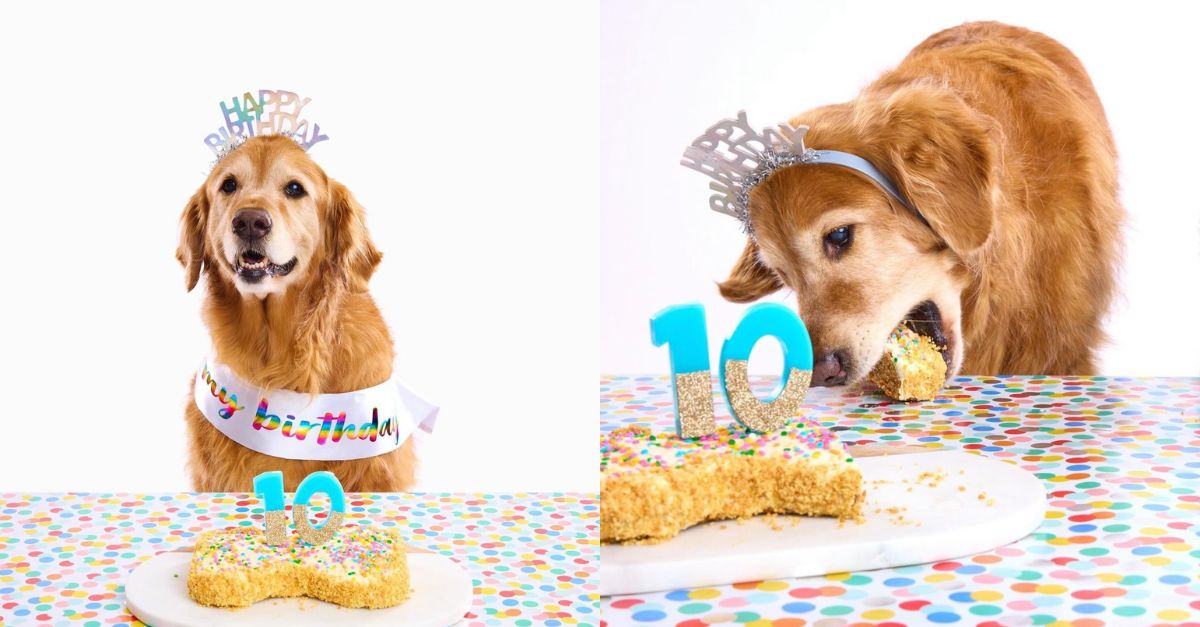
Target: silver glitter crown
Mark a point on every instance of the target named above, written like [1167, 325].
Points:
[273, 112]
[738, 158]
[233, 142]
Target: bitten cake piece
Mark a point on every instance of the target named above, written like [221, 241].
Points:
[654, 486]
[359, 567]
[911, 369]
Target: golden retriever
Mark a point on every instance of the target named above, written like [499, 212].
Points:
[287, 258]
[998, 138]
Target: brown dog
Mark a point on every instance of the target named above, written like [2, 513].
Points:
[288, 257]
[998, 138]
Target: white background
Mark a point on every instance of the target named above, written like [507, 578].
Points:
[671, 69]
[444, 120]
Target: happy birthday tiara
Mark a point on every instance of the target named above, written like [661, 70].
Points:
[274, 112]
[738, 158]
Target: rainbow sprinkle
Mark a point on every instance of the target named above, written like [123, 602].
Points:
[639, 449]
[902, 341]
[352, 549]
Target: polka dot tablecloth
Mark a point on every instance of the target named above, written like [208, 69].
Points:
[1120, 544]
[64, 558]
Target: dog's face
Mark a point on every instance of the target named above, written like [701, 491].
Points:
[268, 217]
[264, 223]
[858, 268]
[860, 263]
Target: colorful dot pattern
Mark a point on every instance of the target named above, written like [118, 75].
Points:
[64, 558]
[1120, 544]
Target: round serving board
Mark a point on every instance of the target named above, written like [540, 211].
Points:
[157, 595]
[920, 507]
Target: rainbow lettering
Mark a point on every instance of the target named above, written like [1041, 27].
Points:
[331, 428]
[229, 400]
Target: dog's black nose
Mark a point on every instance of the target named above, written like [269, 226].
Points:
[251, 224]
[830, 369]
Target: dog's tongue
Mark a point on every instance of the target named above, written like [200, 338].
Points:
[253, 256]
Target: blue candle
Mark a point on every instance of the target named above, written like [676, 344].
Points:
[268, 486]
[683, 329]
[313, 484]
[321, 482]
[780, 322]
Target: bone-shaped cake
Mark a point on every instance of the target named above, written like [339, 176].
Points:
[654, 486]
[359, 566]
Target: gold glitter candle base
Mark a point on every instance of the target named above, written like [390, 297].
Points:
[755, 414]
[277, 528]
[311, 534]
[694, 404]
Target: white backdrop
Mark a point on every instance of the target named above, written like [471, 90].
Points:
[670, 69]
[440, 117]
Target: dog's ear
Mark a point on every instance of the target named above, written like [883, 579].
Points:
[347, 240]
[749, 280]
[945, 159]
[191, 253]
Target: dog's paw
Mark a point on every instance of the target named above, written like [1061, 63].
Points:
[364, 567]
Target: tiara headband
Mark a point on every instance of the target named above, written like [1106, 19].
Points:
[738, 158]
[273, 112]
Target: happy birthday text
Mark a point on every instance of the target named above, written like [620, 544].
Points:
[331, 428]
[271, 111]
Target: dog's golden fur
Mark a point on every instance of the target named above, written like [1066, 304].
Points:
[997, 136]
[316, 330]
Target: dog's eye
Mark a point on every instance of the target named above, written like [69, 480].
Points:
[838, 240]
[293, 189]
[229, 185]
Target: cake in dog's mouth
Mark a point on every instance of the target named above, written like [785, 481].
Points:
[916, 356]
[926, 319]
[253, 266]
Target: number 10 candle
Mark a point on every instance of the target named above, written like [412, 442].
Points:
[269, 487]
[683, 329]
[759, 321]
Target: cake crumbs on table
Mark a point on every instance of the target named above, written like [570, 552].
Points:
[931, 478]
[897, 517]
[772, 522]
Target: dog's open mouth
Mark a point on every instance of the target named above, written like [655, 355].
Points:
[253, 266]
[926, 319]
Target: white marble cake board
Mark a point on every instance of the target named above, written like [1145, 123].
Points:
[156, 594]
[978, 504]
